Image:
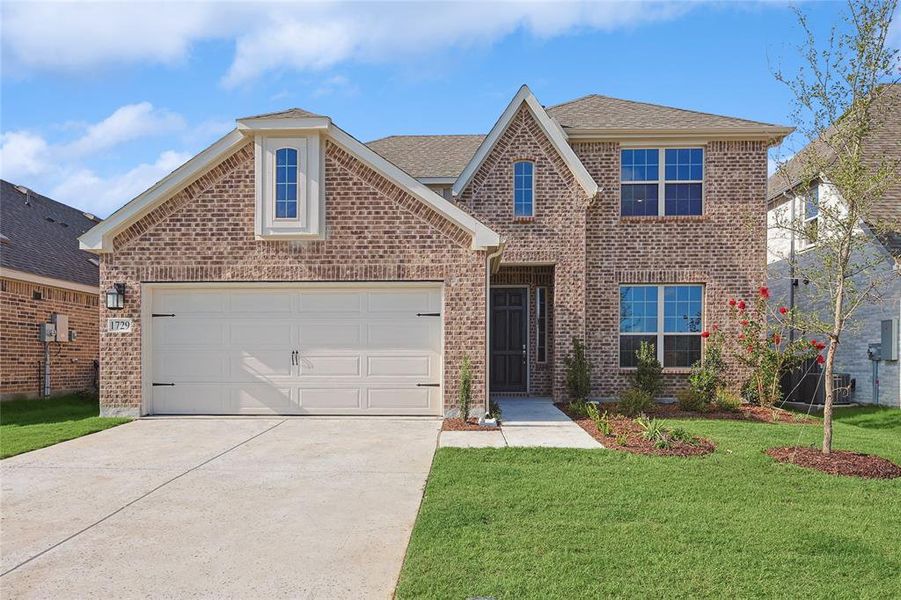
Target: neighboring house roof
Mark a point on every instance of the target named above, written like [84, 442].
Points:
[525, 97]
[598, 113]
[883, 142]
[291, 113]
[424, 156]
[40, 237]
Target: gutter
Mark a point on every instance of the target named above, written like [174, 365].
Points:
[492, 264]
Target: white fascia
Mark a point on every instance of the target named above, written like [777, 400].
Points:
[553, 131]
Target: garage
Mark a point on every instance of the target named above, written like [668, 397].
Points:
[335, 349]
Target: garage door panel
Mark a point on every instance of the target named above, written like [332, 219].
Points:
[417, 367]
[324, 399]
[329, 366]
[318, 302]
[357, 351]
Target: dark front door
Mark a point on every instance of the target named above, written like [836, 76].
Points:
[508, 339]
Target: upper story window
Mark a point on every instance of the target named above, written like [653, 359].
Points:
[286, 183]
[523, 189]
[669, 317]
[680, 173]
[811, 215]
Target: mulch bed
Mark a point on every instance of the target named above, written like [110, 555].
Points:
[468, 425]
[629, 432]
[839, 462]
[745, 412]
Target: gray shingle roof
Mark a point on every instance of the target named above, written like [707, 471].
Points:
[291, 113]
[43, 235]
[884, 142]
[428, 155]
[603, 112]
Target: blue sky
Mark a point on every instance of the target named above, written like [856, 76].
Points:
[99, 101]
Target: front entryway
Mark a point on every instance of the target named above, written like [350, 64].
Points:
[509, 339]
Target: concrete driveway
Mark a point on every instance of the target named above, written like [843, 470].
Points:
[216, 507]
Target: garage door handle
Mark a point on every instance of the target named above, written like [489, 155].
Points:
[428, 385]
[428, 314]
[164, 384]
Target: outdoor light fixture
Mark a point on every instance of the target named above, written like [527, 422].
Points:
[115, 297]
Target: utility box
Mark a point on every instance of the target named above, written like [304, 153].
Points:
[62, 327]
[47, 332]
[890, 339]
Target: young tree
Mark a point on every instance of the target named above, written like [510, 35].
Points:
[842, 92]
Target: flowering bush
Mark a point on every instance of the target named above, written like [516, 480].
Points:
[707, 375]
[762, 345]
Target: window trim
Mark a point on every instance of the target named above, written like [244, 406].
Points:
[661, 180]
[531, 214]
[541, 341]
[806, 242]
[297, 185]
[661, 318]
[310, 220]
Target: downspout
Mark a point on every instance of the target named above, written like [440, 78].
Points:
[791, 276]
[492, 263]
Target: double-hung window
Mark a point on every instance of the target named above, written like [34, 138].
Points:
[811, 216]
[667, 316]
[523, 189]
[680, 174]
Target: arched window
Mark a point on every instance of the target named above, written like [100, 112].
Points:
[523, 189]
[286, 183]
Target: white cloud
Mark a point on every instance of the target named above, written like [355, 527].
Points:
[22, 154]
[127, 123]
[102, 195]
[288, 35]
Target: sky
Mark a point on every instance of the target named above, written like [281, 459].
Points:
[98, 101]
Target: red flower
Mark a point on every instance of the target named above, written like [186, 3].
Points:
[817, 345]
[705, 334]
[750, 347]
[783, 310]
[764, 292]
[741, 305]
[777, 339]
[741, 336]
[716, 327]
[731, 301]
[745, 323]
[820, 359]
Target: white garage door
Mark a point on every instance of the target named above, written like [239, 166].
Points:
[310, 350]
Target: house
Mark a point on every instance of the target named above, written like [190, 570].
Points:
[44, 278]
[290, 268]
[875, 373]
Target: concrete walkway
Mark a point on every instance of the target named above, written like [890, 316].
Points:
[216, 508]
[525, 422]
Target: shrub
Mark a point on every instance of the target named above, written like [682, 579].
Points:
[601, 420]
[728, 401]
[579, 408]
[654, 431]
[578, 372]
[689, 400]
[648, 376]
[494, 409]
[621, 439]
[708, 375]
[465, 396]
[634, 401]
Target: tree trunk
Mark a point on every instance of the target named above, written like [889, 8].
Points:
[837, 324]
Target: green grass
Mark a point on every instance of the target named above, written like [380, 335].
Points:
[540, 523]
[27, 425]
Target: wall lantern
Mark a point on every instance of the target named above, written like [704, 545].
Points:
[115, 297]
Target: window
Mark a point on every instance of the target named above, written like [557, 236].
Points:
[811, 215]
[286, 183]
[681, 174]
[541, 324]
[668, 316]
[523, 189]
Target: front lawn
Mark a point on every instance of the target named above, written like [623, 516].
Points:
[539, 523]
[27, 425]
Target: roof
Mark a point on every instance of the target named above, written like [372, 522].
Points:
[525, 98]
[43, 235]
[291, 113]
[596, 112]
[883, 142]
[429, 155]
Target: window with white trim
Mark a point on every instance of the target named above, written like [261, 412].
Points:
[289, 194]
[286, 183]
[523, 189]
[643, 173]
[811, 216]
[670, 317]
[541, 324]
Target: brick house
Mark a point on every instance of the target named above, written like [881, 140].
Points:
[44, 273]
[290, 268]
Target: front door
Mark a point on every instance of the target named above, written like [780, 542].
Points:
[509, 316]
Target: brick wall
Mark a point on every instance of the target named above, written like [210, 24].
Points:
[556, 234]
[375, 232]
[724, 249]
[22, 355]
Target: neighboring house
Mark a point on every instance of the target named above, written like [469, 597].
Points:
[44, 273]
[790, 197]
[290, 268]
